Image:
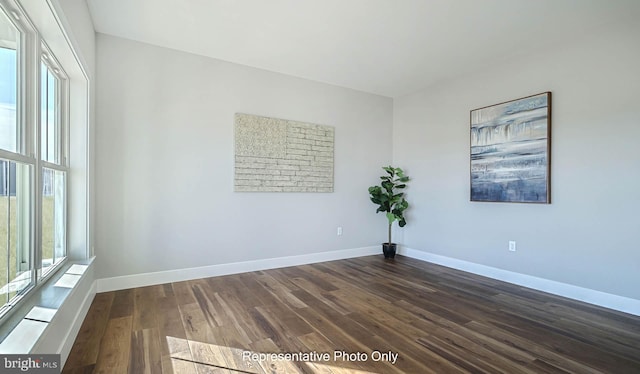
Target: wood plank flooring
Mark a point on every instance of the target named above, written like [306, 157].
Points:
[437, 320]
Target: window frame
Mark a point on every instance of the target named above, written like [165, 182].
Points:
[62, 102]
[31, 47]
[61, 151]
[24, 150]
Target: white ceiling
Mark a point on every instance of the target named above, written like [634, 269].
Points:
[387, 47]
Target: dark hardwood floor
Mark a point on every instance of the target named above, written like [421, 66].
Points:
[437, 320]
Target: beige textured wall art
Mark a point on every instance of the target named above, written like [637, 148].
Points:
[277, 155]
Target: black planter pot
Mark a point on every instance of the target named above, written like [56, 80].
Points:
[389, 250]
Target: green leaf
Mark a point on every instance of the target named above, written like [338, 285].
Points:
[391, 217]
[404, 179]
[388, 186]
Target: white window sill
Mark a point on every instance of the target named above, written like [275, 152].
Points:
[21, 330]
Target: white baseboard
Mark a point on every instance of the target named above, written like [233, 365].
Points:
[69, 339]
[607, 300]
[168, 276]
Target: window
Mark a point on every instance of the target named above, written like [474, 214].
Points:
[52, 155]
[53, 218]
[51, 93]
[15, 206]
[16, 270]
[33, 158]
[9, 35]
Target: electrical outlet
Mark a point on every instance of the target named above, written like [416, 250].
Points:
[339, 230]
[512, 245]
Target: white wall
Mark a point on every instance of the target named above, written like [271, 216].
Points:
[164, 161]
[589, 235]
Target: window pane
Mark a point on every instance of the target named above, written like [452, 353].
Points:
[54, 247]
[49, 114]
[8, 84]
[15, 223]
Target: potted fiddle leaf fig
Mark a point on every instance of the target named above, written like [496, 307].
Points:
[390, 199]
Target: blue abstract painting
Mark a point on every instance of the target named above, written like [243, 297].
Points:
[510, 145]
